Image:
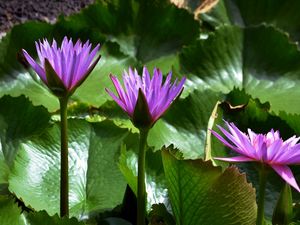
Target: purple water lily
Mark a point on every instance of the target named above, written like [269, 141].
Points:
[70, 64]
[267, 148]
[158, 95]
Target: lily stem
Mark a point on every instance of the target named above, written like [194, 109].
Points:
[261, 196]
[141, 196]
[64, 173]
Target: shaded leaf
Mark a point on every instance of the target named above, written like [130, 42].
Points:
[283, 211]
[115, 221]
[38, 218]
[159, 215]
[10, 213]
[283, 15]
[202, 194]
[185, 124]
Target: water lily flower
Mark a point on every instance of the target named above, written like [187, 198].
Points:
[63, 68]
[145, 100]
[151, 97]
[268, 149]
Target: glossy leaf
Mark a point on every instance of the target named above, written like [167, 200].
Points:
[18, 121]
[234, 57]
[95, 181]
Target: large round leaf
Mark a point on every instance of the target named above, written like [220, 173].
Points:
[202, 194]
[261, 60]
[95, 180]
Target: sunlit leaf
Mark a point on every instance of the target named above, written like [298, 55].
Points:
[95, 181]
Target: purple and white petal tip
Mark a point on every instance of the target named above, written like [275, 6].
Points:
[268, 149]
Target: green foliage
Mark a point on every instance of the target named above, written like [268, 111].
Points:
[159, 214]
[284, 208]
[10, 213]
[95, 181]
[245, 69]
[42, 217]
[201, 193]
[284, 15]
[246, 58]
[155, 179]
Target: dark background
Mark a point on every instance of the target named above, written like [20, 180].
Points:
[18, 11]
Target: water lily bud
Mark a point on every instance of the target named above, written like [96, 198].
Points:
[283, 211]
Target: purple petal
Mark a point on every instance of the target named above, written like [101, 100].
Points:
[226, 143]
[91, 57]
[291, 141]
[159, 96]
[287, 155]
[273, 149]
[241, 140]
[252, 136]
[286, 174]
[237, 143]
[122, 94]
[146, 77]
[117, 100]
[37, 68]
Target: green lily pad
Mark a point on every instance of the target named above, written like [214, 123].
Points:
[95, 181]
[201, 193]
[261, 60]
[18, 121]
